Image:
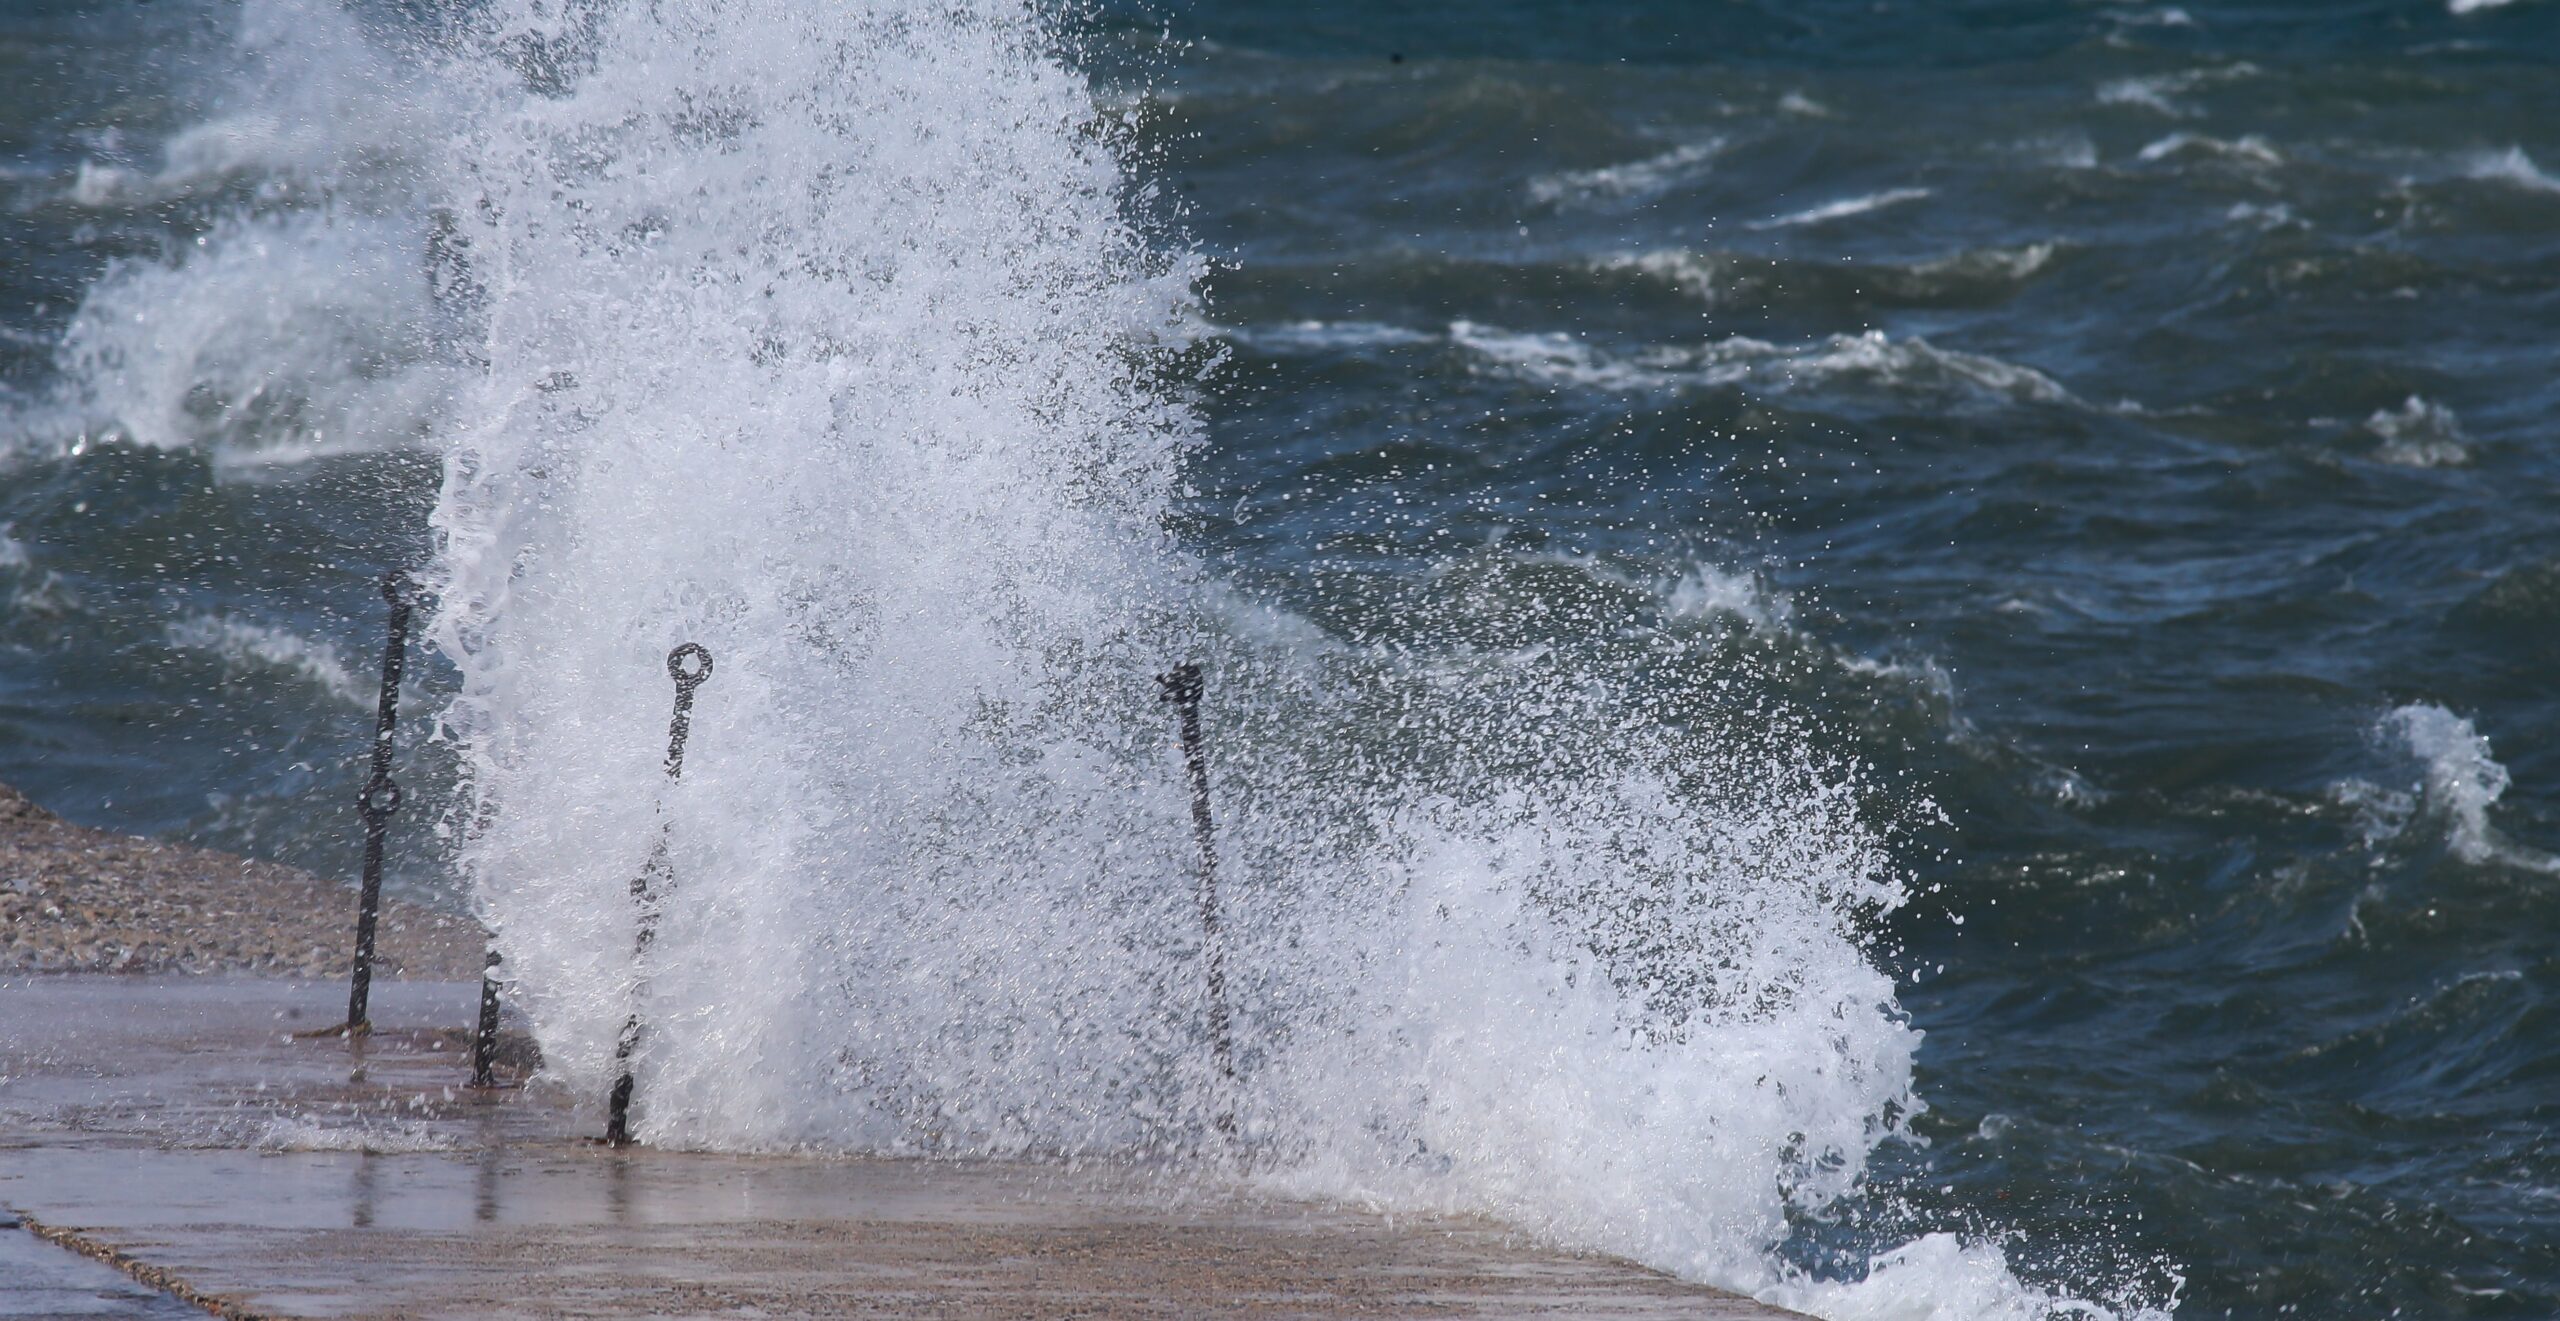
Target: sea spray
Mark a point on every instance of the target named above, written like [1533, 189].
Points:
[287, 321]
[2457, 782]
[823, 337]
[818, 338]
[824, 340]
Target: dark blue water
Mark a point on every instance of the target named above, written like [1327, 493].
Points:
[2129, 427]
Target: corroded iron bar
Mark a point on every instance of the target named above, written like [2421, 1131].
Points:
[689, 665]
[380, 798]
[484, 1041]
[1184, 685]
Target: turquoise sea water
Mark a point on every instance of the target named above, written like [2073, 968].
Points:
[2128, 428]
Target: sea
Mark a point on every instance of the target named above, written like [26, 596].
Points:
[1901, 656]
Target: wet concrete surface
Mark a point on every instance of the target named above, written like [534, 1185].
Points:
[183, 1127]
[40, 1280]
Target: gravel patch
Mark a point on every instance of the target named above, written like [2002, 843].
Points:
[74, 899]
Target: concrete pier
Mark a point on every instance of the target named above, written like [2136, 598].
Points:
[180, 1132]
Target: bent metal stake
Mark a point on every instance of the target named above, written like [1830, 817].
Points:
[688, 665]
[380, 798]
[1184, 685]
[484, 1036]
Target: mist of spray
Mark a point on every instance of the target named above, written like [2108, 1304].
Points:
[821, 336]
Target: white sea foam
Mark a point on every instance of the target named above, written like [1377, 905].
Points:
[2249, 147]
[278, 340]
[1698, 274]
[1910, 361]
[2458, 782]
[1330, 336]
[2461, 779]
[48, 595]
[2419, 434]
[1943, 1277]
[1650, 177]
[818, 335]
[240, 644]
[298, 326]
[1692, 273]
[1843, 209]
[2274, 216]
[1926, 675]
[2380, 814]
[301, 1133]
[2160, 92]
[1706, 591]
[2018, 263]
[1559, 359]
[1563, 359]
[2070, 151]
[2474, 6]
[2511, 166]
[2148, 93]
[309, 109]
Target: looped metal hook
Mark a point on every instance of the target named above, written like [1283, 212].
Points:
[689, 665]
[380, 798]
[700, 658]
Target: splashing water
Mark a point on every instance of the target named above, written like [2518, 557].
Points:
[295, 325]
[818, 340]
[2459, 781]
[822, 336]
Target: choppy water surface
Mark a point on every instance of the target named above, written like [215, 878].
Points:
[1906, 643]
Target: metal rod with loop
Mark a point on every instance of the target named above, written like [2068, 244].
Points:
[689, 665]
[380, 797]
[1184, 685]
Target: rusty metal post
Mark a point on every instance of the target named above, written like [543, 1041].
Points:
[484, 1041]
[1184, 685]
[380, 798]
[689, 665]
